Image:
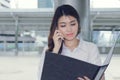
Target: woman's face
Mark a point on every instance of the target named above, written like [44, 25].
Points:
[68, 26]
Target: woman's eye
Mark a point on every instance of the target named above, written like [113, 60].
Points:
[62, 26]
[73, 24]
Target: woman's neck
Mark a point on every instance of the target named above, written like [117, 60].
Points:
[72, 44]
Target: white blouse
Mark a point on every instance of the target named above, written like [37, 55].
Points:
[85, 51]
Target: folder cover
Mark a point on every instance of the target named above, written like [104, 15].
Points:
[59, 67]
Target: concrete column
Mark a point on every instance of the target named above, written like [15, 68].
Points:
[16, 36]
[83, 8]
[15, 17]
[5, 46]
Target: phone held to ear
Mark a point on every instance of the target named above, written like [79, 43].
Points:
[60, 39]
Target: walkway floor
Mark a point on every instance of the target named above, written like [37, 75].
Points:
[26, 68]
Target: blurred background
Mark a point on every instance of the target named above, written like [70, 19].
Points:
[24, 28]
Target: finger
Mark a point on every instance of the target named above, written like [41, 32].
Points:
[55, 34]
[86, 78]
[57, 31]
[79, 78]
[57, 38]
[59, 35]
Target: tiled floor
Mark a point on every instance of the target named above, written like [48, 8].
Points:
[26, 68]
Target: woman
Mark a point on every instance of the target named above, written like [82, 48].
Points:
[63, 38]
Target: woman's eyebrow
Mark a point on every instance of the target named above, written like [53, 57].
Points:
[72, 21]
[61, 22]
[65, 22]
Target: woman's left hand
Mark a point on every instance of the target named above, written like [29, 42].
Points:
[84, 78]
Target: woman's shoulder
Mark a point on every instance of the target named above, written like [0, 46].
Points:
[88, 44]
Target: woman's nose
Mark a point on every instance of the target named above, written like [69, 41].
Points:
[69, 29]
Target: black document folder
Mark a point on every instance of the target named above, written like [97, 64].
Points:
[59, 67]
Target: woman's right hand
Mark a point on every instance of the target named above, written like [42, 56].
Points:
[84, 78]
[57, 38]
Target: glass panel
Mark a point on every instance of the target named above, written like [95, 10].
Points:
[36, 41]
[7, 40]
[45, 4]
[10, 46]
[1, 46]
[33, 4]
[104, 38]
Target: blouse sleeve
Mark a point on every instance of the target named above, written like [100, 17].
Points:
[41, 63]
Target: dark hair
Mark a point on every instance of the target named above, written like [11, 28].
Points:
[66, 10]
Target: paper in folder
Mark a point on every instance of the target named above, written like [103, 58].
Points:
[59, 67]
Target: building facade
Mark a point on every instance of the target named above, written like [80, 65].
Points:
[45, 4]
[4, 3]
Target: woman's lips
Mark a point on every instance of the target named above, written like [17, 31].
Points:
[70, 34]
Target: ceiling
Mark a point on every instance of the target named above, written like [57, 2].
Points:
[34, 19]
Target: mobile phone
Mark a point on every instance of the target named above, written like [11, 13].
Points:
[61, 40]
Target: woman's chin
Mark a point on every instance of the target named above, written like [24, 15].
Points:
[69, 39]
